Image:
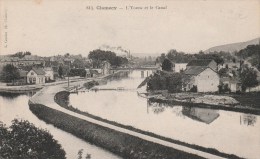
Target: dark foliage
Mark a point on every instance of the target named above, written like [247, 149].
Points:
[90, 84]
[78, 72]
[165, 81]
[98, 56]
[248, 78]
[23, 140]
[167, 65]
[21, 54]
[9, 73]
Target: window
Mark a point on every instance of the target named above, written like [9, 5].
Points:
[208, 76]
[32, 73]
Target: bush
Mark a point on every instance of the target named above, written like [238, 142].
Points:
[90, 84]
[23, 140]
[165, 81]
[194, 89]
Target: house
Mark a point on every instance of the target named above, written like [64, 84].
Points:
[203, 63]
[36, 76]
[231, 83]
[94, 73]
[204, 79]
[178, 67]
[106, 68]
[49, 74]
[28, 60]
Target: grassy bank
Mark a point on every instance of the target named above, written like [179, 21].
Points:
[119, 143]
[239, 108]
[61, 98]
[251, 100]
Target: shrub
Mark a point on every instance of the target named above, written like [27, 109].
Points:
[23, 140]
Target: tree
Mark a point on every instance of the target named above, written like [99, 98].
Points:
[167, 65]
[248, 78]
[23, 140]
[78, 63]
[60, 71]
[223, 72]
[10, 73]
[98, 56]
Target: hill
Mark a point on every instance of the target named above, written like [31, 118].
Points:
[233, 47]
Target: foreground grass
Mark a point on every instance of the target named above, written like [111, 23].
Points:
[61, 98]
[119, 143]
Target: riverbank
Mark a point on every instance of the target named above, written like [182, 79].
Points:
[62, 97]
[29, 88]
[45, 97]
[235, 103]
[122, 144]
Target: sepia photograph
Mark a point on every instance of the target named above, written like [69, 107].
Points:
[129, 79]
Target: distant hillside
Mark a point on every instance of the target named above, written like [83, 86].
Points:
[233, 47]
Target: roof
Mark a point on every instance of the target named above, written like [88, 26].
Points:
[23, 73]
[39, 71]
[93, 71]
[204, 62]
[195, 70]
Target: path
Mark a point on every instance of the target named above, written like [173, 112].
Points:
[46, 97]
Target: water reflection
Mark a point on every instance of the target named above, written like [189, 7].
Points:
[188, 124]
[248, 119]
[200, 114]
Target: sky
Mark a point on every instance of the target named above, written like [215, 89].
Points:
[52, 27]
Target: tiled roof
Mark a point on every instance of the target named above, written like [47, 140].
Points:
[204, 62]
[39, 71]
[195, 70]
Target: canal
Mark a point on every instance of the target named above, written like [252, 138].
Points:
[227, 131]
[17, 107]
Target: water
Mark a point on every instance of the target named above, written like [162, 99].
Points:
[229, 132]
[17, 107]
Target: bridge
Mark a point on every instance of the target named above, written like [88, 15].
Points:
[152, 67]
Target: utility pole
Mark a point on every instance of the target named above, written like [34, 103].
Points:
[69, 76]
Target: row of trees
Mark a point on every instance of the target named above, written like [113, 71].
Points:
[181, 57]
[21, 54]
[98, 56]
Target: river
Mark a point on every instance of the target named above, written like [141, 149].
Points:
[17, 107]
[227, 131]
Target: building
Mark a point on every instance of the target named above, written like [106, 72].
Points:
[106, 68]
[49, 74]
[28, 60]
[178, 67]
[203, 63]
[204, 79]
[36, 76]
[231, 83]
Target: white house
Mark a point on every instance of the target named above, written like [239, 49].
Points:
[49, 73]
[179, 66]
[204, 78]
[36, 76]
